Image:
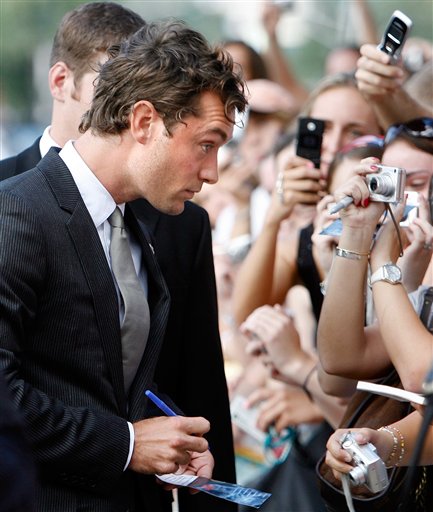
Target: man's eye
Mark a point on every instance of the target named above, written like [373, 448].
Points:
[207, 147]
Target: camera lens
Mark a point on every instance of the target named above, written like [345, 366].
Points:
[373, 184]
[382, 184]
[357, 475]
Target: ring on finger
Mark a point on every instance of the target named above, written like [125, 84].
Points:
[279, 187]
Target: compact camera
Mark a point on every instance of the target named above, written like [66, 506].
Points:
[395, 34]
[387, 186]
[369, 468]
[309, 139]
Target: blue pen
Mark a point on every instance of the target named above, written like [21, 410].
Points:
[160, 404]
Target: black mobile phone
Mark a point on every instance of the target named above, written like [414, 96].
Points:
[395, 34]
[309, 139]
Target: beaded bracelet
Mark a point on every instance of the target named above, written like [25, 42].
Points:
[307, 380]
[394, 432]
[351, 255]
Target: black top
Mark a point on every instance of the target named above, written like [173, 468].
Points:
[307, 269]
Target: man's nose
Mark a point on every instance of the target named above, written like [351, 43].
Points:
[209, 172]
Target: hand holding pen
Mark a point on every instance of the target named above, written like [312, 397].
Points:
[162, 444]
[200, 462]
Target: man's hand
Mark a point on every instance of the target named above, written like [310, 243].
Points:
[164, 444]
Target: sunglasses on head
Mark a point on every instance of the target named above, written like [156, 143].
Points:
[421, 127]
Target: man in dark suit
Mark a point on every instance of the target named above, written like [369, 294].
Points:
[163, 106]
[182, 242]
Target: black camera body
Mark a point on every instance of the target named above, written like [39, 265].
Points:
[395, 34]
[309, 139]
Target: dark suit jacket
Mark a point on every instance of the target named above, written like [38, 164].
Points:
[60, 343]
[190, 368]
[17, 468]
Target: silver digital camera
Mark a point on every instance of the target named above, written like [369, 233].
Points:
[369, 468]
[387, 185]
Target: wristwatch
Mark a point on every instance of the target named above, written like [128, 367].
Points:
[389, 273]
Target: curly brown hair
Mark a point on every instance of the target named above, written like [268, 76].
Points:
[168, 64]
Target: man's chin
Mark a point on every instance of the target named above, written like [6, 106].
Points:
[173, 209]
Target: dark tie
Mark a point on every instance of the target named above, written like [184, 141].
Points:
[136, 321]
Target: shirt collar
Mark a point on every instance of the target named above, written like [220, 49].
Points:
[47, 142]
[96, 197]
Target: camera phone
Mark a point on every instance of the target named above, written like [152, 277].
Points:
[395, 34]
[309, 139]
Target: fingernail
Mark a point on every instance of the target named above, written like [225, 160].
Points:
[365, 202]
[374, 167]
[310, 164]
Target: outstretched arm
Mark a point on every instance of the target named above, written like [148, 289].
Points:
[277, 63]
[345, 347]
[380, 82]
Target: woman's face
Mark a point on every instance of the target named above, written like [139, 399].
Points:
[418, 164]
[347, 116]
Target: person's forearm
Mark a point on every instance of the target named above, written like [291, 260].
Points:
[334, 385]
[253, 284]
[397, 107]
[331, 407]
[365, 23]
[281, 72]
[409, 428]
[409, 344]
[341, 341]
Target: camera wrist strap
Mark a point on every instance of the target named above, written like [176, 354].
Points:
[347, 494]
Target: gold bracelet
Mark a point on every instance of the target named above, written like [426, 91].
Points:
[394, 432]
[351, 255]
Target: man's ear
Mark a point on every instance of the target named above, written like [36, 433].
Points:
[60, 78]
[144, 119]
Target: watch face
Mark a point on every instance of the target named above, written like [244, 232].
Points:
[393, 272]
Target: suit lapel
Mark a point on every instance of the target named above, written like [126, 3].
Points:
[94, 264]
[159, 304]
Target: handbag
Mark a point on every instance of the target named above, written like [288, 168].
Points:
[374, 411]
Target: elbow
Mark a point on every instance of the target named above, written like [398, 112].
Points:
[413, 380]
[331, 362]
